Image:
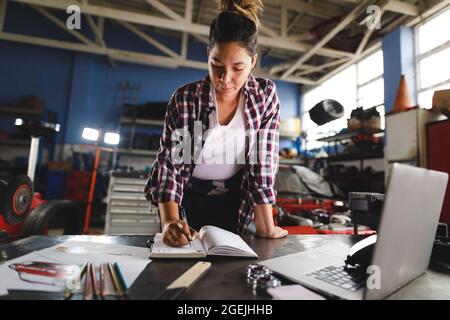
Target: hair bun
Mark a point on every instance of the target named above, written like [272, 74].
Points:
[248, 8]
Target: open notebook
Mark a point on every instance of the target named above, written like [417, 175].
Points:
[211, 241]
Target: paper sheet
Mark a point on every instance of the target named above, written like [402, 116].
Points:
[28, 273]
[293, 292]
[132, 261]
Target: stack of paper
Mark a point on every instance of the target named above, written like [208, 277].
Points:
[50, 269]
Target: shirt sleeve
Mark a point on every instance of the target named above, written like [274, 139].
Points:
[164, 183]
[261, 175]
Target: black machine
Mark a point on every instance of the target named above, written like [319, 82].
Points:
[366, 209]
[326, 111]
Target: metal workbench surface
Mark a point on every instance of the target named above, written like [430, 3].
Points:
[225, 280]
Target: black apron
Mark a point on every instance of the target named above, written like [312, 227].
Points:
[206, 203]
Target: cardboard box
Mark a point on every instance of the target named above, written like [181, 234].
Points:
[441, 101]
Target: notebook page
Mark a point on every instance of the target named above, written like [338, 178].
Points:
[221, 242]
[162, 250]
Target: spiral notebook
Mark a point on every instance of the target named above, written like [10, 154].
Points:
[212, 241]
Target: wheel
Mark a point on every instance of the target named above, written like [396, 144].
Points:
[66, 211]
[16, 198]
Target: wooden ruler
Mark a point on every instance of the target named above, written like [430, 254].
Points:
[176, 288]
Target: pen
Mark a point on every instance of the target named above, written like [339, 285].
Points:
[88, 293]
[115, 280]
[184, 218]
[120, 278]
[108, 283]
[95, 283]
[102, 281]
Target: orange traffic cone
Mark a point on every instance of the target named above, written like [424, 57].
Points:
[403, 100]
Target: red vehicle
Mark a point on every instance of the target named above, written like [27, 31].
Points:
[25, 213]
[307, 204]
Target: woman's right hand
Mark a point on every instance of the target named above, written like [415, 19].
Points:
[177, 233]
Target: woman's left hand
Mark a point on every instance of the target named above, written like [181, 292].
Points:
[275, 233]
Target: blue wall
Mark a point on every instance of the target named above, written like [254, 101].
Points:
[84, 88]
[399, 59]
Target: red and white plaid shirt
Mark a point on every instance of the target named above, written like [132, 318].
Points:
[194, 102]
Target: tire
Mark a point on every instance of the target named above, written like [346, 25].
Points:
[16, 198]
[68, 211]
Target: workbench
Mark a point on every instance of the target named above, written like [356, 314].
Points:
[225, 280]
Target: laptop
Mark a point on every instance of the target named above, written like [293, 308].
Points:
[405, 238]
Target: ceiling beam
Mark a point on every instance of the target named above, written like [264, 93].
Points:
[3, 4]
[284, 21]
[274, 69]
[62, 25]
[403, 8]
[383, 4]
[95, 30]
[165, 10]
[396, 6]
[127, 56]
[120, 55]
[185, 38]
[128, 16]
[355, 59]
[321, 67]
[268, 31]
[432, 9]
[338, 28]
[101, 24]
[182, 26]
[306, 8]
[99, 36]
[148, 39]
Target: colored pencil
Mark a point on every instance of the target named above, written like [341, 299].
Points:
[109, 289]
[88, 291]
[121, 278]
[115, 280]
[95, 283]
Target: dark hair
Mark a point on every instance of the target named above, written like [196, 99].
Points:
[237, 22]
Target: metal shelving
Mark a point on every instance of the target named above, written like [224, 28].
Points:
[137, 152]
[128, 211]
[350, 134]
[20, 112]
[361, 179]
[133, 123]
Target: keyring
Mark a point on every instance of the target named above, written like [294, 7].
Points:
[265, 282]
[260, 278]
[254, 271]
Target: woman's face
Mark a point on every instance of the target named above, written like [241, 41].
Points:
[229, 67]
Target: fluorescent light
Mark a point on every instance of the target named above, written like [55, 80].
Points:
[112, 138]
[90, 134]
[18, 122]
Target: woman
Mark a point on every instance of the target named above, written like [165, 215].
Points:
[201, 188]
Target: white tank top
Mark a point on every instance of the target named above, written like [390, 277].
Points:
[223, 153]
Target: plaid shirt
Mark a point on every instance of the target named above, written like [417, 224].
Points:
[194, 102]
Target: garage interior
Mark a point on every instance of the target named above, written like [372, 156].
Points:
[84, 88]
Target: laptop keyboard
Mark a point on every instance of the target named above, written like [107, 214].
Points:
[348, 279]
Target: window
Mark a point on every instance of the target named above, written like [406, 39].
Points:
[360, 85]
[433, 56]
